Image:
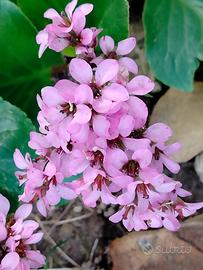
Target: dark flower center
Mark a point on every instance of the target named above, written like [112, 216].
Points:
[131, 168]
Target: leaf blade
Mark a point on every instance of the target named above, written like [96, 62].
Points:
[14, 132]
[23, 74]
[173, 31]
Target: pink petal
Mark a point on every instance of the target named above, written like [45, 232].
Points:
[52, 196]
[125, 198]
[91, 199]
[126, 46]
[70, 7]
[143, 157]
[4, 205]
[101, 126]
[83, 94]
[79, 21]
[102, 105]
[10, 261]
[19, 160]
[51, 96]
[139, 111]
[41, 207]
[172, 148]
[115, 92]
[23, 211]
[126, 125]
[129, 63]
[171, 223]
[3, 232]
[29, 226]
[86, 36]
[158, 132]
[83, 114]
[36, 258]
[140, 85]
[80, 70]
[85, 8]
[51, 14]
[106, 71]
[171, 165]
[42, 38]
[155, 222]
[50, 169]
[67, 193]
[191, 208]
[82, 135]
[59, 44]
[183, 193]
[135, 144]
[106, 196]
[117, 217]
[122, 181]
[166, 187]
[128, 223]
[35, 238]
[115, 159]
[67, 89]
[107, 44]
[90, 174]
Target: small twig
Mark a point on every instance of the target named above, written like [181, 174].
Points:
[54, 244]
[60, 217]
[61, 222]
[94, 247]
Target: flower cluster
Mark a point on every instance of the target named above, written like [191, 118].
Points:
[16, 236]
[95, 125]
[68, 29]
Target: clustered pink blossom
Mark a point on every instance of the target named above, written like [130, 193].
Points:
[68, 29]
[17, 233]
[95, 125]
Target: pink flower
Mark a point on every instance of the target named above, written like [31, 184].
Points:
[136, 217]
[66, 29]
[140, 85]
[16, 236]
[126, 64]
[160, 133]
[117, 162]
[107, 93]
[42, 181]
[64, 116]
[94, 124]
[95, 185]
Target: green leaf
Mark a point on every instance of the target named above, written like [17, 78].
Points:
[69, 51]
[35, 11]
[14, 133]
[174, 40]
[112, 16]
[22, 74]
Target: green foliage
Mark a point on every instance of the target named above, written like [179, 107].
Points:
[35, 9]
[174, 40]
[22, 73]
[112, 16]
[14, 132]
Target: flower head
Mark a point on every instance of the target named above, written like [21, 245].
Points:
[16, 236]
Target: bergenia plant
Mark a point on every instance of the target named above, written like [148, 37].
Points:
[93, 124]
